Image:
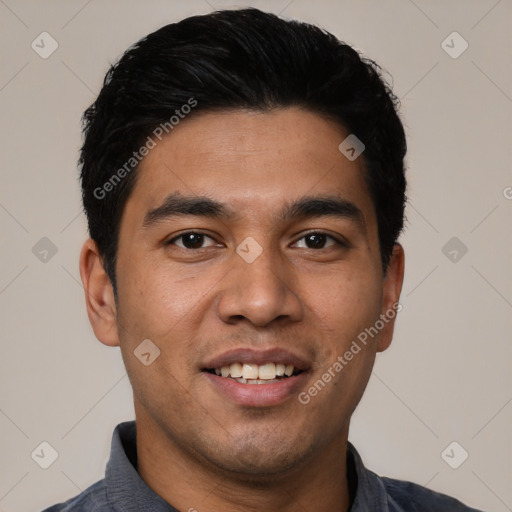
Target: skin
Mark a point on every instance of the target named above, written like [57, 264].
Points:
[196, 448]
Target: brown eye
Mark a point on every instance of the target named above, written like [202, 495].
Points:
[315, 241]
[318, 241]
[190, 240]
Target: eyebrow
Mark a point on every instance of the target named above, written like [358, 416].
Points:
[176, 205]
[323, 206]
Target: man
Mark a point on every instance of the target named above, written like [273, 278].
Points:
[243, 181]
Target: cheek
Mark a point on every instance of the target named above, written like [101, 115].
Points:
[344, 362]
[345, 303]
[157, 306]
[157, 298]
[167, 307]
[345, 307]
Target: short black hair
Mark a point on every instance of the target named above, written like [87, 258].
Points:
[236, 59]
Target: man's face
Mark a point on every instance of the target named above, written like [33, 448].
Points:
[211, 299]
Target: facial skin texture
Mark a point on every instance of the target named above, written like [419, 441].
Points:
[197, 448]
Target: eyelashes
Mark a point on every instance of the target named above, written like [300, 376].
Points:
[194, 240]
[191, 238]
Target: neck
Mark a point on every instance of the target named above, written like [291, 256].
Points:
[189, 483]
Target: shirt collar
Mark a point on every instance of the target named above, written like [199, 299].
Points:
[371, 493]
[127, 492]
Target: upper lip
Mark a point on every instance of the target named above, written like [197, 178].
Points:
[259, 357]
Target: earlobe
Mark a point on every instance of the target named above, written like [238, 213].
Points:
[99, 295]
[392, 288]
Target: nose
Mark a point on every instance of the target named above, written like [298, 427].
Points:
[260, 292]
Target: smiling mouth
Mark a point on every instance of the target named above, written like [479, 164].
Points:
[248, 373]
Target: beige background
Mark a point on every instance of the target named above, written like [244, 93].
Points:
[447, 376]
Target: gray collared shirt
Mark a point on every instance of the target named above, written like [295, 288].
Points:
[123, 490]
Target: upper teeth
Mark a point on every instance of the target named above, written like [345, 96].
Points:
[267, 371]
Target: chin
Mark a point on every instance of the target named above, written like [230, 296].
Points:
[259, 459]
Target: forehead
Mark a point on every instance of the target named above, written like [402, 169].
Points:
[248, 160]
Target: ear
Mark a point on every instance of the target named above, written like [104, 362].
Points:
[392, 288]
[99, 295]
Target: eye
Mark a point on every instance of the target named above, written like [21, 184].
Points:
[191, 240]
[318, 240]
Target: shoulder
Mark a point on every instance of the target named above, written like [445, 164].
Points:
[376, 492]
[415, 498]
[93, 499]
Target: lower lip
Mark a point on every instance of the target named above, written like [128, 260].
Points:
[257, 395]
